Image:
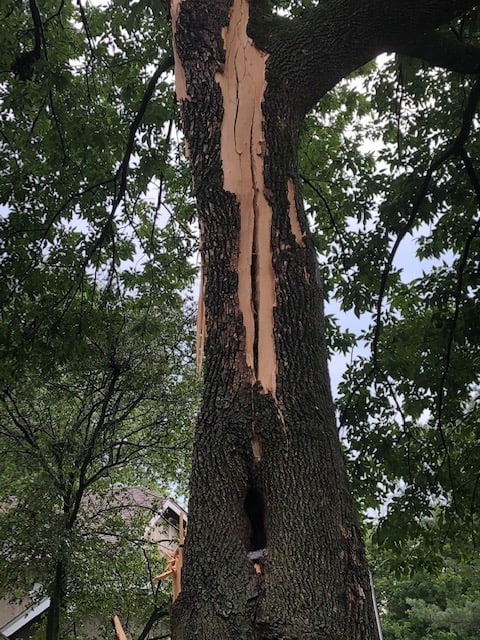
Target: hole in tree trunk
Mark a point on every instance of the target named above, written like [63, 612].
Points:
[255, 510]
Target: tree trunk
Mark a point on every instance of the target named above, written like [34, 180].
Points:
[273, 549]
[57, 597]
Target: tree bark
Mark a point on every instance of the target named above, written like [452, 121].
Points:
[273, 549]
[57, 599]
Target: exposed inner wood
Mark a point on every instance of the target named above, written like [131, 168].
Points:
[242, 81]
[294, 223]
[257, 448]
[119, 632]
[201, 325]
[180, 83]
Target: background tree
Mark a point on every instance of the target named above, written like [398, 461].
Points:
[115, 412]
[435, 604]
[95, 374]
[410, 397]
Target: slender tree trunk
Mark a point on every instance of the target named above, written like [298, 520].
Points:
[58, 587]
[57, 597]
[273, 549]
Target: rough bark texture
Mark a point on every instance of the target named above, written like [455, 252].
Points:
[268, 472]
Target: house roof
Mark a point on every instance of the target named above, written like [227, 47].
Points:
[128, 500]
[25, 617]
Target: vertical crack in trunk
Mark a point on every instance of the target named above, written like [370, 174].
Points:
[255, 510]
[242, 82]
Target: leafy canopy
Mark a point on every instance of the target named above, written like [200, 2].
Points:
[440, 605]
[94, 184]
[117, 412]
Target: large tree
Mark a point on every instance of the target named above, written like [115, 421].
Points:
[86, 131]
[268, 472]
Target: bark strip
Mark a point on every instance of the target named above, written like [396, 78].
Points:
[293, 213]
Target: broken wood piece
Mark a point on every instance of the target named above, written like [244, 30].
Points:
[181, 529]
[164, 575]
[174, 562]
[171, 567]
[119, 632]
[177, 577]
[174, 566]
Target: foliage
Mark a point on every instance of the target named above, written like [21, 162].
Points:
[97, 389]
[389, 163]
[439, 605]
[86, 147]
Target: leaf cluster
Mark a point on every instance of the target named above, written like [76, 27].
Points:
[87, 141]
[438, 605]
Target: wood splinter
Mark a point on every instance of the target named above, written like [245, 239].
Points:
[119, 632]
[175, 563]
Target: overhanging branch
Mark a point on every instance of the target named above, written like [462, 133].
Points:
[311, 53]
[442, 50]
[165, 64]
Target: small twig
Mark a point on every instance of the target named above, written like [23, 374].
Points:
[329, 211]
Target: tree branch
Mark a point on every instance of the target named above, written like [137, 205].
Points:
[442, 50]
[310, 54]
[157, 614]
[23, 66]
[165, 65]
[338, 232]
